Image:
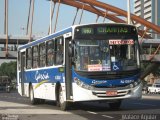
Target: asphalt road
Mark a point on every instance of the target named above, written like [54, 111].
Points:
[15, 107]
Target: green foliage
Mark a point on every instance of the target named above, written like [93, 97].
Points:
[9, 69]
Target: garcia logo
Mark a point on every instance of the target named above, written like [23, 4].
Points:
[41, 76]
[95, 82]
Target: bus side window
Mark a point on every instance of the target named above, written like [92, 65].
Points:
[84, 51]
[35, 56]
[29, 58]
[59, 48]
[42, 53]
[50, 53]
[123, 52]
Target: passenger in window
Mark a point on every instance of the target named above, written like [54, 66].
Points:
[43, 61]
[50, 59]
[50, 55]
[59, 57]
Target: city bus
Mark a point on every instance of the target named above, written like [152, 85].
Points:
[83, 63]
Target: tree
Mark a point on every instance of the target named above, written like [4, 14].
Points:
[9, 69]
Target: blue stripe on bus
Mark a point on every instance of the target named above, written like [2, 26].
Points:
[46, 38]
[52, 75]
[107, 82]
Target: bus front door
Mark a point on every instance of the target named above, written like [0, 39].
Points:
[68, 71]
[22, 73]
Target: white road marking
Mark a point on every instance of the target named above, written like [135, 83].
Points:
[107, 116]
[144, 104]
[102, 115]
[92, 112]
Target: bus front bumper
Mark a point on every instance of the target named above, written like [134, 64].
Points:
[81, 94]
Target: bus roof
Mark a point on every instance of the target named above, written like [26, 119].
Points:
[63, 32]
[49, 37]
[106, 24]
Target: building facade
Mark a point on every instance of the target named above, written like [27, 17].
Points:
[149, 10]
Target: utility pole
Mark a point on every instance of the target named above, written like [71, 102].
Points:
[6, 26]
[51, 7]
[28, 21]
[129, 22]
[30, 35]
[129, 12]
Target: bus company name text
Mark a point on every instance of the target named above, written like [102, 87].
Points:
[94, 82]
[41, 76]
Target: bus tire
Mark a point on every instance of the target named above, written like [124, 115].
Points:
[115, 105]
[62, 103]
[31, 96]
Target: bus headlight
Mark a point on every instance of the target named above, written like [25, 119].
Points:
[131, 85]
[134, 84]
[82, 84]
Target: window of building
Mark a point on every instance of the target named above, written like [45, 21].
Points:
[29, 58]
[50, 53]
[35, 57]
[42, 53]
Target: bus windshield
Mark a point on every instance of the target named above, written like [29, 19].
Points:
[106, 55]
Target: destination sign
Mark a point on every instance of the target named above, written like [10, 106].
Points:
[104, 30]
[121, 42]
[87, 31]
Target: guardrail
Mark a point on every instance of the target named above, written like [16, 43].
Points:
[17, 39]
[10, 55]
[147, 57]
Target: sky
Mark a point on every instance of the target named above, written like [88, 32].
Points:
[18, 15]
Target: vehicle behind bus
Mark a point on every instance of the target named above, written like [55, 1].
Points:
[5, 83]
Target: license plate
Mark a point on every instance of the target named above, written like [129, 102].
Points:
[111, 93]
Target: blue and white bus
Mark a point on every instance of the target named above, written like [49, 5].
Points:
[93, 62]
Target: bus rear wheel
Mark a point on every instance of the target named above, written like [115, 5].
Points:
[61, 101]
[115, 105]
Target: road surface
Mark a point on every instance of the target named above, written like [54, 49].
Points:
[15, 107]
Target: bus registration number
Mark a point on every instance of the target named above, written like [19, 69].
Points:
[111, 93]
